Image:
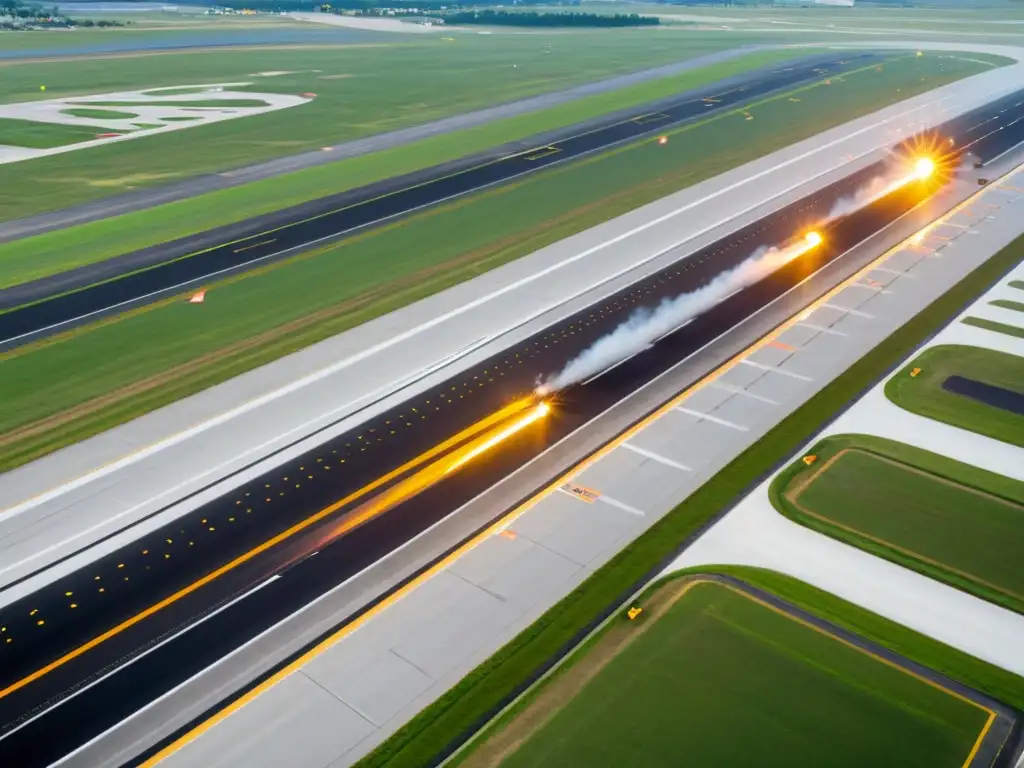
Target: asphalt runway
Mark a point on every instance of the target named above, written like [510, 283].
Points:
[33, 310]
[233, 568]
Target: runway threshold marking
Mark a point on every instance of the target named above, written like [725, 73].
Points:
[344, 525]
[504, 521]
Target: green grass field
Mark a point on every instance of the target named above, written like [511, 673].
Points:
[99, 114]
[721, 679]
[924, 395]
[184, 103]
[138, 361]
[992, 325]
[1016, 306]
[39, 256]
[474, 698]
[946, 519]
[361, 90]
[28, 133]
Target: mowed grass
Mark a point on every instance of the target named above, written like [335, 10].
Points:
[74, 385]
[184, 103]
[1016, 306]
[361, 90]
[995, 326]
[36, 257]
[721, 679]
[923, 394]
[35, 135]
[99, 114]
[946, 519]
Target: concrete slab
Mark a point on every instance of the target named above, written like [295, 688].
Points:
[377, 690]
[515, 569]
[462, 620]
[575, 529]
[301, 722]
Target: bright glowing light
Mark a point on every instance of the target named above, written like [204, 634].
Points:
[813, 239]
[663, 139]
[924, 168]
[537, 413]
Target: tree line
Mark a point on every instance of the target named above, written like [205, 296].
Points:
[535, 19]
[15, 9]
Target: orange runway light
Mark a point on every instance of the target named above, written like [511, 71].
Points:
[663, 139]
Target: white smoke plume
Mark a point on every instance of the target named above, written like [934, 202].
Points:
[646, 325]
[864, 195]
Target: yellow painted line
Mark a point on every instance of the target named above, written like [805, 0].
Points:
[437, 450]
[654, 117]
[544, 152]
[980, 740]
[867, 652]
[256, 245]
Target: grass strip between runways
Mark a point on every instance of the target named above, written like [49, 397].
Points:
[457, 714]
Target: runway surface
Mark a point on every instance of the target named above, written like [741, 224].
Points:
[88, 650]
[33, 310]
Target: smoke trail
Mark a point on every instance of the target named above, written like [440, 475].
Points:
[646, 325]
[863, 195]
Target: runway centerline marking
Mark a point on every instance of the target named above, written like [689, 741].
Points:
[255, 245]
[543, 152]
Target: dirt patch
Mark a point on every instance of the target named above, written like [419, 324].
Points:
[565, 685]
[130, 181]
